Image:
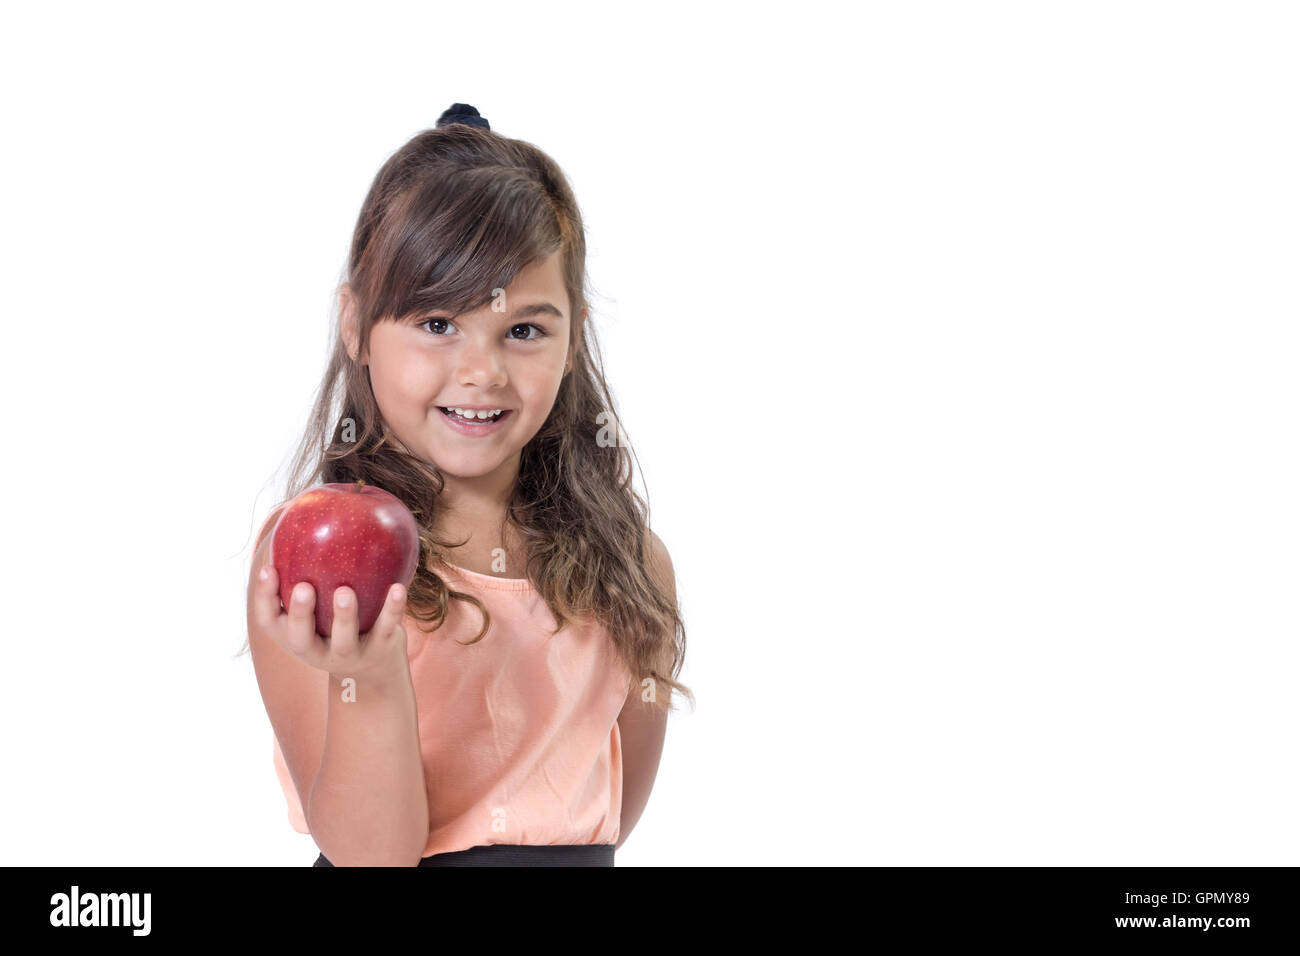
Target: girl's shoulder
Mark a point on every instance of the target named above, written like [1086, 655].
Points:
[660, 565]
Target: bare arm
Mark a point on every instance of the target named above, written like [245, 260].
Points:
[356, 765]
[641, 727]
[368, 805]
[641, 724]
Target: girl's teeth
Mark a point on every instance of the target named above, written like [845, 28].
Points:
[476, 416]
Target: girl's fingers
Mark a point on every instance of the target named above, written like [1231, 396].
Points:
[390, 618]
[265, 598]
[301, 633]
[343, 633]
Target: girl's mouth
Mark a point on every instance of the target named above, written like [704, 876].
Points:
[474, 426]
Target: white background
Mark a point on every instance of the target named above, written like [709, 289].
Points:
[957, 343]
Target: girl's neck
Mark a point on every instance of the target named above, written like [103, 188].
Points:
[479, 499]
[471, 513]
[483, 547]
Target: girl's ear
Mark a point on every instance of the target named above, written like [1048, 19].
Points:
[348, 320]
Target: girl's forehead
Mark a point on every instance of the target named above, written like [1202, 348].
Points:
[538, 284]
[542, 275]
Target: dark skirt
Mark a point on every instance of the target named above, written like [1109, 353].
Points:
[505, 854]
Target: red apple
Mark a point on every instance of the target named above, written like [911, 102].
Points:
[354, 534]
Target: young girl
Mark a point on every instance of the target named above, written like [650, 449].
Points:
[510, 708]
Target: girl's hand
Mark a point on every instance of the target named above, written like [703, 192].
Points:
[375, 659]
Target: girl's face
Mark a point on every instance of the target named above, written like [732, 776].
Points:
[512, 359]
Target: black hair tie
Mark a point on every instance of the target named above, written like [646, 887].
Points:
[462, 113]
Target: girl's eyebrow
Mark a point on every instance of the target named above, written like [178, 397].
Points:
[537, 308]
[522, 312]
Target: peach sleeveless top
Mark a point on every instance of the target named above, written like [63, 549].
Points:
[519, 732]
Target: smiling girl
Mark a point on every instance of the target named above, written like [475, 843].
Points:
[511, 708]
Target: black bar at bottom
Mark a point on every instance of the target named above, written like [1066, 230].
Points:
[506, 854]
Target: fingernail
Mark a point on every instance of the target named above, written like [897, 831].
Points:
[263, 574]
[345, 600]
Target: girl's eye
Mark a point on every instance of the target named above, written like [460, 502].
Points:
[428, 323]
[528, 325]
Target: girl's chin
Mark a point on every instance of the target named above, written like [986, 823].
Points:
[468, 459]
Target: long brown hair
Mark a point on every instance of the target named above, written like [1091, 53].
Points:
[454, 214]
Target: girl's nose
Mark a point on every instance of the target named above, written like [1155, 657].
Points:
[480, 367]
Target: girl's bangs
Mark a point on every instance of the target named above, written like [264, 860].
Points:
[457, 242]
